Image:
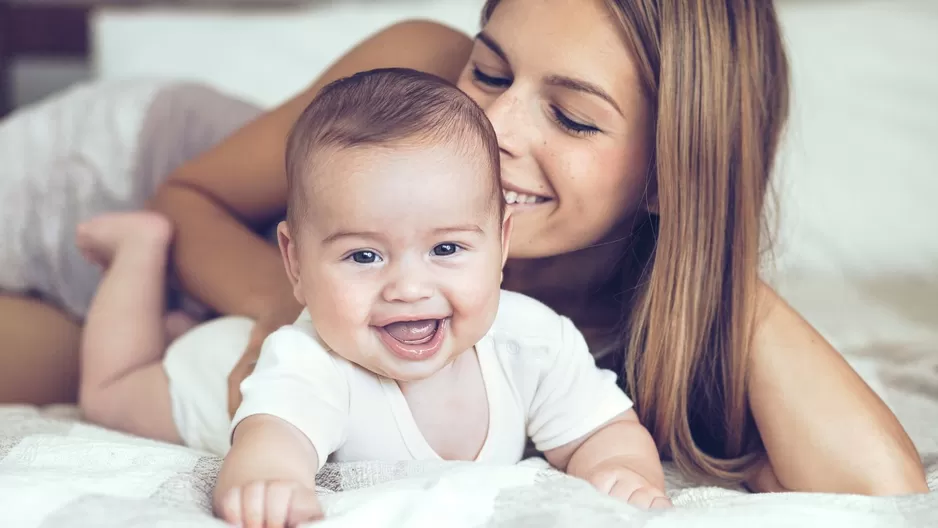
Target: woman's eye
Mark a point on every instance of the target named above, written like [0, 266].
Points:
[570, 125]
[494, 82]
[365, 257]
[446, 249]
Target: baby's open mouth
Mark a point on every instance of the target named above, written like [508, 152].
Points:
[413, 332]
[413, 340]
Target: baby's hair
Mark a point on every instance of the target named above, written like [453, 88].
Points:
[385, 107]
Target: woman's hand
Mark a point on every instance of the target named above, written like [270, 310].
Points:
[245, 366]
[265, 326]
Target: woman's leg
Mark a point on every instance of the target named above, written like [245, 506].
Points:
[38, 352]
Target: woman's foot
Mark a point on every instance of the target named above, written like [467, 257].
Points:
[102, 238]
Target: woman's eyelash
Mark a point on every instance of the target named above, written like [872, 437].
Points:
[495, 82]
[565, 122]
[571, 125]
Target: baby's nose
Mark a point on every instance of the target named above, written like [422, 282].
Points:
[408, 286]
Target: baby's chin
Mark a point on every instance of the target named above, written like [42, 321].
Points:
[382, 362]
[410, 373]
[404, 371]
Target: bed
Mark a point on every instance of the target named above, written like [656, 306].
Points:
[856, 252]
[59, 472]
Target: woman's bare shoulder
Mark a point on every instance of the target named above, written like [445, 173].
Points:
[245, 173]
[423, 45]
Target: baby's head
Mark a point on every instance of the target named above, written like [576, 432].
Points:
[395, 235]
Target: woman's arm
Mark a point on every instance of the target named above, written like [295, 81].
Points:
[217, 199]
[824, 429]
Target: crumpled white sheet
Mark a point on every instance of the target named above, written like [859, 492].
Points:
[58, 472]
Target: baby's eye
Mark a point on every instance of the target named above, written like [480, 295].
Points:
[365, 257]
[445, 249]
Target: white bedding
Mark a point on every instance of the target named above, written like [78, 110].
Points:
[58, 472]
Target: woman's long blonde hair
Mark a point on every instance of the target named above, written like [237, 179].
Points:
[717, 74]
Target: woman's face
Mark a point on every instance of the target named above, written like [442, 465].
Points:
[575, 130]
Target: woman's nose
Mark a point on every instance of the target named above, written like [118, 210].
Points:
[506, 114]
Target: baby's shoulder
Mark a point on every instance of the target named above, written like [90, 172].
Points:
[524, 323]
[523, 315]
[299, 341]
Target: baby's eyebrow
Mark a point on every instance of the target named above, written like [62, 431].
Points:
[467, 228]
[350, 234]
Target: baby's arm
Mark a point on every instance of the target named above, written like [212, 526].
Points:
[293, 416]
[620, 459]
[268, 479]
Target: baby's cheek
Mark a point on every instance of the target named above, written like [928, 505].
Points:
[477, 301]
[336, 310]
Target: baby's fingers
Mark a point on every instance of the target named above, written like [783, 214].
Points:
[277, 505]
[253, 505]
[646, 498]
[617, 483]
[304, 507]
[230, 507]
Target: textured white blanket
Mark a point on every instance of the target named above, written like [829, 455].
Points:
[58, 472]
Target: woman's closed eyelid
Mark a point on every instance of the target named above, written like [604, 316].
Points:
[561, 119]
[570, 124]
[490, 79]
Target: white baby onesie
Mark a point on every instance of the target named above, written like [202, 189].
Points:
[539, 376]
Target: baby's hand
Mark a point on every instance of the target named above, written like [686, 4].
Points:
[623, 483]
[269, 504]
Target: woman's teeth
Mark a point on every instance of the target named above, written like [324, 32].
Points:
[512, 197]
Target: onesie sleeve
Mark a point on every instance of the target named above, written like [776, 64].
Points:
[297, 380]
[573, 396]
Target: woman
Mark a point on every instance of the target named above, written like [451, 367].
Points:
[637, 138]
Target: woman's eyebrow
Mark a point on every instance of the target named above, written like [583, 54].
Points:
[489, 42]
[582, 86]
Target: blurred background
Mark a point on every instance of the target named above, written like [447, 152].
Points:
[264, 50]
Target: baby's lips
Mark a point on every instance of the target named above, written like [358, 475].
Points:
[412, 331]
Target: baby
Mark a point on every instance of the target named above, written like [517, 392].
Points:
[407, 349]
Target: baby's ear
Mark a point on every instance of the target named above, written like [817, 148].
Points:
[288, 251]
[506, 236]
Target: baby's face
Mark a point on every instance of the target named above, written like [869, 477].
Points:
[400, 256]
